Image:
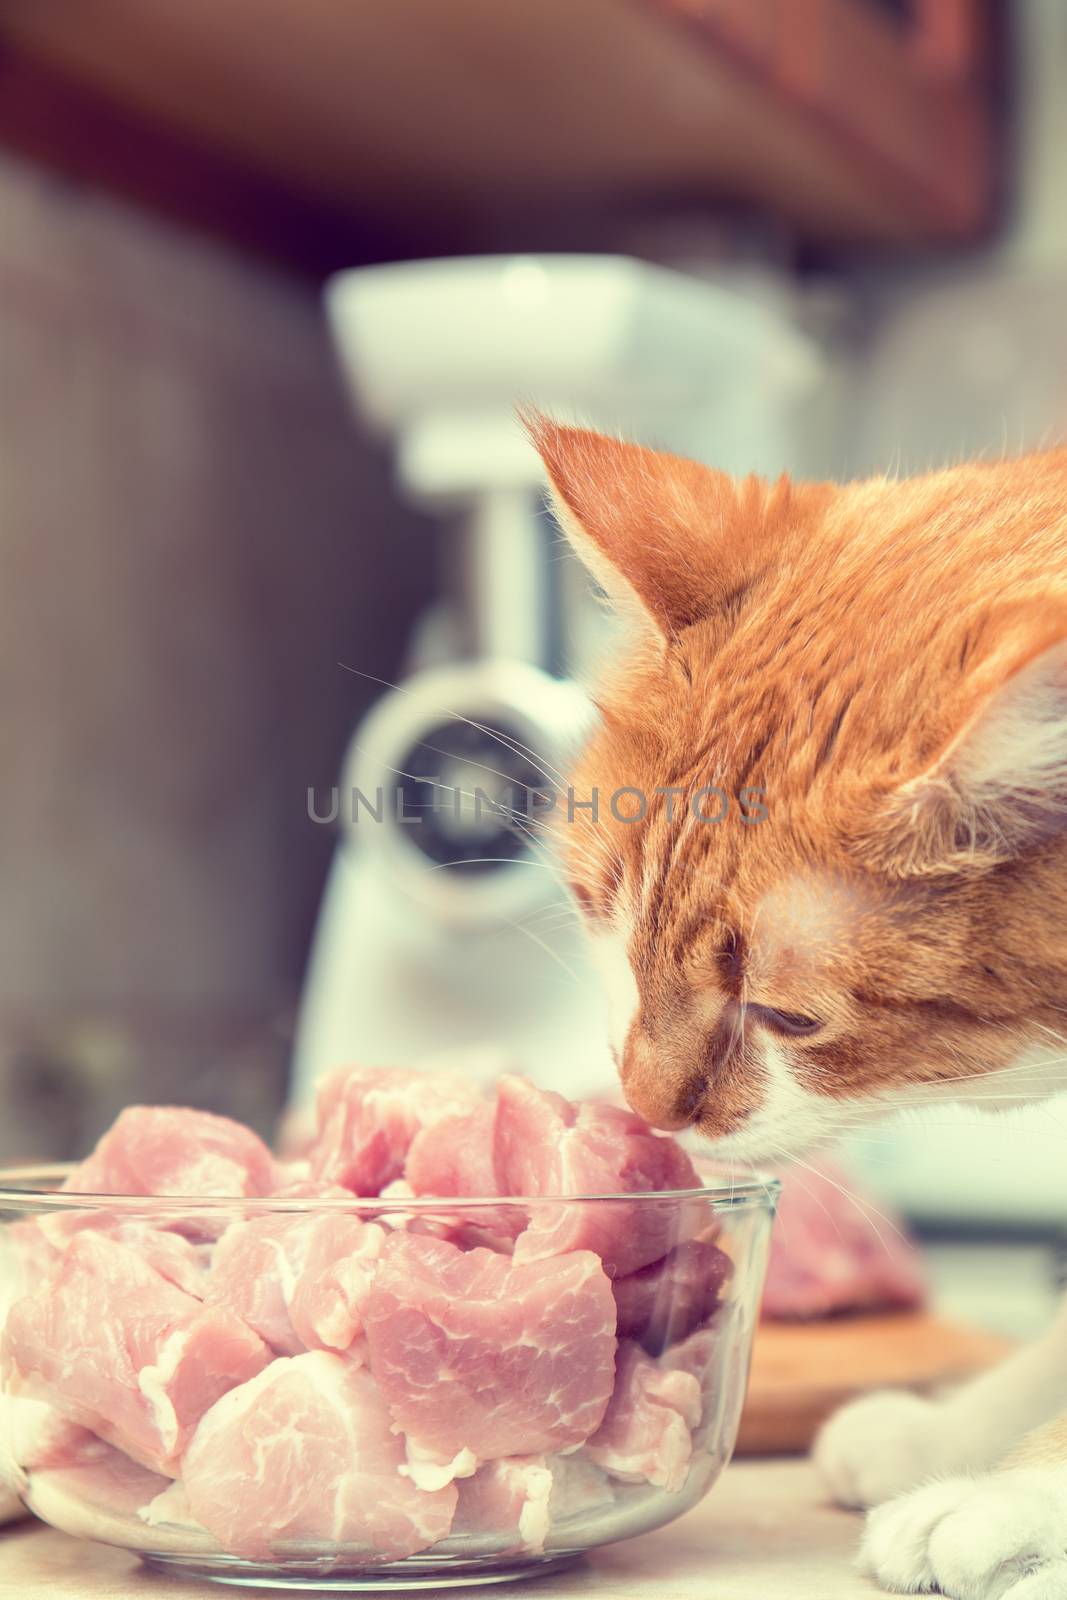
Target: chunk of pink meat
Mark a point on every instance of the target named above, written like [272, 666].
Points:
[507, 1501]
[91, 1471]
[367, 1119]
[305, 1455]
[578, 1488]
[646, 1435]
[172, 1150]
[51, 1440]
[660, 1304]
[180, 1260]
[480, 1357]
[455, 1156]
[512, 1504]
[329, 1298]
[298, 1279]
[114, 1346]
[834, 1250]
[253, 1271]
[458, 1157]
[77, 1482]
[695, 1354]
[112, 1486]
[544, 1145]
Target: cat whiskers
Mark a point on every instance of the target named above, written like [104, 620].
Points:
[862, 1205]
[516, 746]
[547, 948]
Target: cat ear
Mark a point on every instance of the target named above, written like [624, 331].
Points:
[653, 529]
[999, 784]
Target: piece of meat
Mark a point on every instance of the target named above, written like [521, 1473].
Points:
[578, 1489]
[171, 1508]
[646, 1435]
[545, 1145]
[102, 1479]
[696, 1353]
[514, 1503]
[833, 1249]
[292, 1173]
[168, 1152]
[367, 1118]
[305, 1456]
[114, 1346]
[182, 1261]
[506, 1504]
[480, 1357]
[106, 1475]
[253, 1272]
[79, 1483]
[456, 1155]
[339, 1270]
[660, 1304]
[172, 1150]
[49, 1439]
[299, 1278]
[462, 1226]
[107, 1497]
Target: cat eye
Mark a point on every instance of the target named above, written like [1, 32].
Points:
[790, 1023]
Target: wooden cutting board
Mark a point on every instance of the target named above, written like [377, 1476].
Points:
[803, 1371]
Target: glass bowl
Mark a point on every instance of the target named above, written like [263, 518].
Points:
[369, 1394]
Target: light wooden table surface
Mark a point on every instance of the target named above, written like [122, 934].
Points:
[763, 1534]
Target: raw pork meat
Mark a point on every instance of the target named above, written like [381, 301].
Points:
[180, 1260]
[659, 1304]
[455, 1156]
[835, 1250]
[266, 1381]
[368, 1117]
[480, 1357]
[299, 1279]
[85, 1466]
[171, 1150]
[545, 1145]
[513, 1503]
[646, 1434]
[91, 1490]
[578, 1488]
[48, 1439]
[115, 1347]
[305, 1452]
[506, 1502]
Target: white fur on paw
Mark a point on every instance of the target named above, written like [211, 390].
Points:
[1002, 1536]
[1047, 1582]
[877, 1447]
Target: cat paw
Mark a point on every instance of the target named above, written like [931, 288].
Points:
[998, 1537]
[877, 1447]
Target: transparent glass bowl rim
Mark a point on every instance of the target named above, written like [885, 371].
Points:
[35, 1189]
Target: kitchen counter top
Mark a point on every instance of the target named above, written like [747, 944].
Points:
[764, 1532]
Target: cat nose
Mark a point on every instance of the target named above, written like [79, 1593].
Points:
[667, 1096]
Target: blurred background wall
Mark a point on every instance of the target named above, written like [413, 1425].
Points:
[191, 537]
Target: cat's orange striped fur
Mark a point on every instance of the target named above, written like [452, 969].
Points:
[887, 661]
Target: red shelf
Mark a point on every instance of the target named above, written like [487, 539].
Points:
[418, 120]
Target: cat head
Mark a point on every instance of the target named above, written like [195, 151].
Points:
[818, 837]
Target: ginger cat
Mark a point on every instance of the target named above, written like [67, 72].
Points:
[886, 664]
